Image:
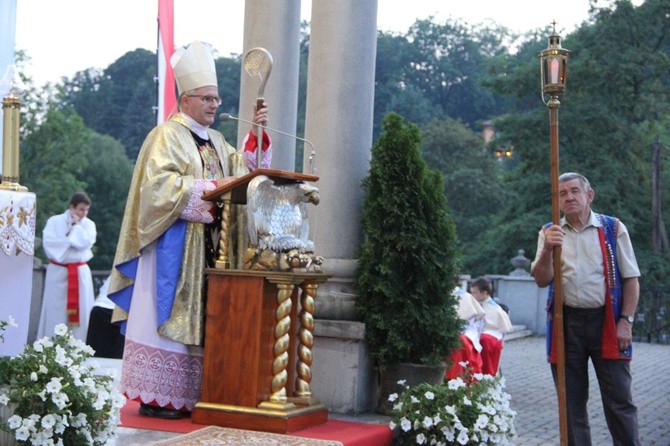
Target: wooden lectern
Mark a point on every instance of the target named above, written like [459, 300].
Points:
[258, 338]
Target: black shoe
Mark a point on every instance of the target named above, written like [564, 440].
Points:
[161, 412]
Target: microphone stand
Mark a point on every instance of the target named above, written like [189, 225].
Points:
[312, 155]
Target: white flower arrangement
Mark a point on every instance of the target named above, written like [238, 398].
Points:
[58, 397]
[468, 410]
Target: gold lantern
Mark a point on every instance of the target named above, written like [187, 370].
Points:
[553, 67]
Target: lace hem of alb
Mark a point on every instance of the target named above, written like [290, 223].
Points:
[165, 377]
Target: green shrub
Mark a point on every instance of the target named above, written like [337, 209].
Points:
[407, 266]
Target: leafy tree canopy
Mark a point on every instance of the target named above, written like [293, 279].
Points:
[448, 77]
[62, 157]
[617, 87]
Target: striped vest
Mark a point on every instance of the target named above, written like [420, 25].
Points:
[607, 234]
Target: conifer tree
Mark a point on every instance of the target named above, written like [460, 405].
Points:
[407, 267]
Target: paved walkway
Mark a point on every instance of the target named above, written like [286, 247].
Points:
[529, 382]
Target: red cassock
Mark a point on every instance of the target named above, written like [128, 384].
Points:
[491, 350]
[467, 352]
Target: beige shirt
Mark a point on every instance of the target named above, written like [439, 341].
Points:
[582, 262]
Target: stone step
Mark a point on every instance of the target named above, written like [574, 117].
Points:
[518, 331]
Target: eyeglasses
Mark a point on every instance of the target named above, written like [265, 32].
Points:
[206, 99]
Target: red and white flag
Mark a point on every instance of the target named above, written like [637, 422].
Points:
[167, 99]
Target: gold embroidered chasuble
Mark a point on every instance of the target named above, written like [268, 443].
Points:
[163, 181]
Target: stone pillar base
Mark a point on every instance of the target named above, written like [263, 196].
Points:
[343, 378]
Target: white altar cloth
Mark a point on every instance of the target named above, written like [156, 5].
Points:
[17, 246]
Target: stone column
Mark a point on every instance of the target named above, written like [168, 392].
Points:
[339, 119]
[275, 26]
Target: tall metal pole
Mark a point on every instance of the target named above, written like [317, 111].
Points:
[558, 335]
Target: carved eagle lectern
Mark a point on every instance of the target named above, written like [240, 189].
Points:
[277, 221]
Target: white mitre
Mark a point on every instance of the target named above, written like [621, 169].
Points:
[193, 67]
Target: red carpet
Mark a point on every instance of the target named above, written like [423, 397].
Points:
[130, 417]
[347, 432]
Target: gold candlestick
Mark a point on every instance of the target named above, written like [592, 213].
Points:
[11, 87]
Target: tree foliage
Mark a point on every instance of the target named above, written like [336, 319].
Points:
[407, 266]
[437, 70]
[108, 172]
[473, 184]
[53, 160]
[119, 101]
[448, 77]
[63, 156]
[617, 89]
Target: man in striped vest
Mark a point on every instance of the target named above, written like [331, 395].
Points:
[600, 284]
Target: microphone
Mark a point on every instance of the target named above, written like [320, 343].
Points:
[312, 155]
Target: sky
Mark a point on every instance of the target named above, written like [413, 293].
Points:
[63, 37]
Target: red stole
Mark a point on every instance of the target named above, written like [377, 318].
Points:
[72, 290]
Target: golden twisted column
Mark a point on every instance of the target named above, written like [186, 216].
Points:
[223, 260]
[303, 391]
[278, 398]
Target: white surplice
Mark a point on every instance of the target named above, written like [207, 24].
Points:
[66, 243]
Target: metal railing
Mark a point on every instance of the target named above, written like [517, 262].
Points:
[99, 277]
[652, 322]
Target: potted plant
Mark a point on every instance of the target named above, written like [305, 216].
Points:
[472, 409]
[55, 396]
[407, 265]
